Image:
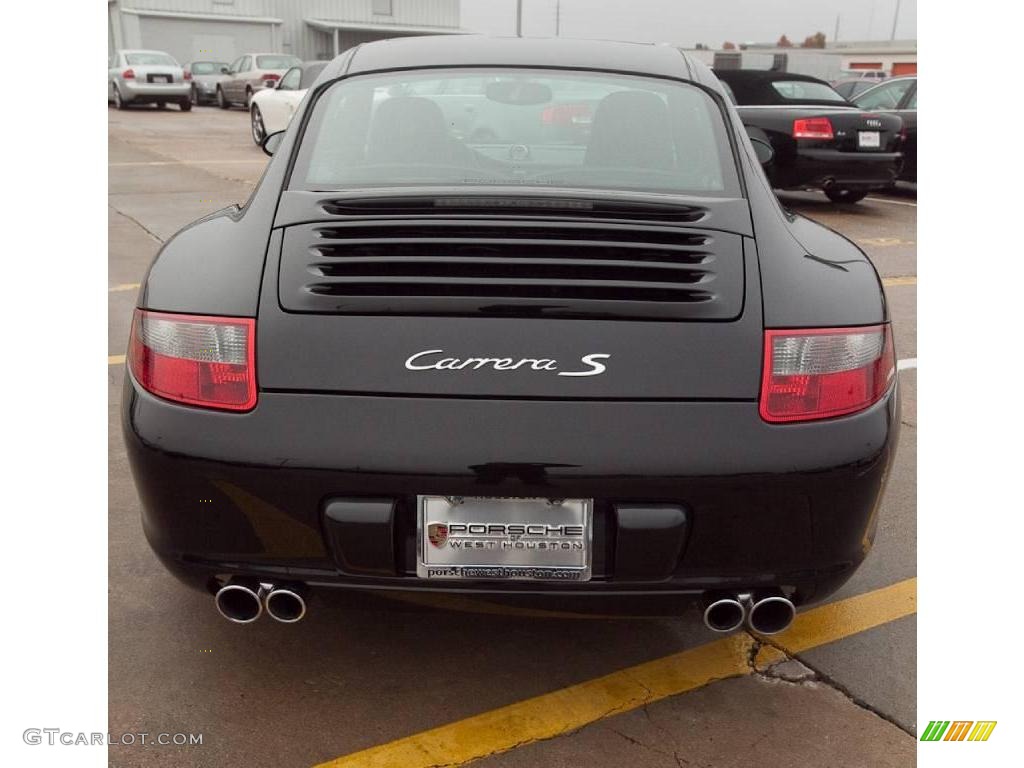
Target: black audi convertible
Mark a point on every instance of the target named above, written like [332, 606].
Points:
[582, 354]
[820, 140]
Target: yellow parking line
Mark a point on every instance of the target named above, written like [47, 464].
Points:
[123, 287]
[115, 359]
[905, 280]
[568, 709]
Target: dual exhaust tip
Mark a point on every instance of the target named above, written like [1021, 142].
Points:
[767, 613]
[243, 602]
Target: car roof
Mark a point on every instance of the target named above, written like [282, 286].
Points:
[481, 50]
[143, 50]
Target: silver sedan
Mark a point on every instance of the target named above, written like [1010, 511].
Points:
[147, 77]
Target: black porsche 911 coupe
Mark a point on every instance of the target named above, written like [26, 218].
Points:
[557, 363]
[820, 139]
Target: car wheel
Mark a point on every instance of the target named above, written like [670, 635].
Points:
[118, 101]
[248, 97]
[185, 105]
[259, 131]
[222, 102]
[845, 195]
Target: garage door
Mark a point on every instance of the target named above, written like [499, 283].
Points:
[904, 68]
[188, 39]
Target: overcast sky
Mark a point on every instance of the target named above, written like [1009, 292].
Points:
[686, 22]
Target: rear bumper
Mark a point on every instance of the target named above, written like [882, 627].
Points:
[826, 167]
[764, 505]
[147, 92]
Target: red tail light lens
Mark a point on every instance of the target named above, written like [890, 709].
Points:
[820, 373]
[128, 74]
[565, 114]
[812, 128]
[193, 359]
[188, 75]
[271, 77]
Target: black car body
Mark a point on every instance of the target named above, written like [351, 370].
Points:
[481, 334]
[897, 96]
[820, 139]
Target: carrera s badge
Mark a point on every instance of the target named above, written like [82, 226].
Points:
[432, 360]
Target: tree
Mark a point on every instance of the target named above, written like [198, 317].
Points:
[784, 42]
[817, 40]
[727, 46]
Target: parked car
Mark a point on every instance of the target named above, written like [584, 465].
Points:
[204, 76]
[272, 108]
[850, 88]
[897, 96]
[250, 74]
[146, 77]
[864, 74]
[820, 140]
[605, 366]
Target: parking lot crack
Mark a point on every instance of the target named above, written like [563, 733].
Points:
[137, 223]
[819, 676]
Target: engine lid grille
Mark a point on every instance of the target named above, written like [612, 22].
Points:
[511, 266]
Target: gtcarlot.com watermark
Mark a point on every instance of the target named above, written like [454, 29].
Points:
[55, 736]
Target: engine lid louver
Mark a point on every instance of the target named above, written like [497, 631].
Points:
[515, 265]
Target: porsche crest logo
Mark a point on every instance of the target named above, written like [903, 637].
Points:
[438, 534]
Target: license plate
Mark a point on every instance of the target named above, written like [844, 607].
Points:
[504, 539]
[161, 78]
[869, 139]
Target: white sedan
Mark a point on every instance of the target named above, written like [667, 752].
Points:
[272, 108]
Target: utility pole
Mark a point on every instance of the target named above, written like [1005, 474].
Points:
[895, 18]
[558, 17]
[519, 18]
[835, 35]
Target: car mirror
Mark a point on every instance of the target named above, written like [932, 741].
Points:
[762, 150]
[225, 71]
[272, 142]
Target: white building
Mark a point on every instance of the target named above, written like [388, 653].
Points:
[898, 57]
[221, 30]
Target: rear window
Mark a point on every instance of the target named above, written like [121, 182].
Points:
[276, 62]
[150, 59]
[803, 90]
[507, 127]
[207, 67]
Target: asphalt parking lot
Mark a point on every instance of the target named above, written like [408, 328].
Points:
[397, 681]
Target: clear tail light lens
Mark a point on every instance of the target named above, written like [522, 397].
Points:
[812, 128]
[196, 360]
[820, 373]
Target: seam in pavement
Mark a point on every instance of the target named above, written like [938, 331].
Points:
[135, 221]
[818, 677]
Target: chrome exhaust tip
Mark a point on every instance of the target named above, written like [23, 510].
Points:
[286, 604]
[724, 614]
[770, 613]
[240, 602]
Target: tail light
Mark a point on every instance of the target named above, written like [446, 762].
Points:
[565, 114]
[270, 78]
[812, 128]
[128, 74]
[188, 75]
[820, 373]
[193, 359]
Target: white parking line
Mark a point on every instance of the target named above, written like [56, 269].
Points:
[905, 363]
[891, 202]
